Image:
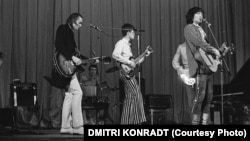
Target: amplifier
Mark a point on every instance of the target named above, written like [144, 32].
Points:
[23, 94]
[158, 101]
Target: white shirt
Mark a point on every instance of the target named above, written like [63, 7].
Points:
[122, 51]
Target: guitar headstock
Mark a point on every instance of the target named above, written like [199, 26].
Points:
[149, 49]
[232, 48]
[225, 49]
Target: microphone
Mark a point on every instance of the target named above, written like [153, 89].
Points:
[205, 20]
[139, 30]
[95, 27]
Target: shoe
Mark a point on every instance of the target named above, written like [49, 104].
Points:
[205, 117]
[66, 130]
[195, 119]
[78, 131]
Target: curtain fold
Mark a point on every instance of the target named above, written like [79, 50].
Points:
[28, 31]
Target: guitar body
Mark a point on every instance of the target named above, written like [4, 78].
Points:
[186, 79]
[211, 61]
[64, 67]
[127, 70]
[208, 62]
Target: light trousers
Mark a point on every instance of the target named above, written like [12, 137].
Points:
[72, 105]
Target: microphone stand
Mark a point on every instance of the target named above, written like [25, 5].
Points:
[139, 53]
[100, 36]
[139, 50]
[221, 73]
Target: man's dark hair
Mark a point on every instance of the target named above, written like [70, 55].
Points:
[191, 12]
[72, 18]
[93, 66]
[127, 28]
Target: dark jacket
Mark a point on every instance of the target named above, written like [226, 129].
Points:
[194, 42]
[65, 44]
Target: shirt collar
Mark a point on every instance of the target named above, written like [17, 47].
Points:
[126, 41]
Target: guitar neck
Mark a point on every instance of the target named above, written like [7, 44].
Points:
[137, 60]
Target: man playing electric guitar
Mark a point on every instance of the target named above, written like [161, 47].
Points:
[133, 108]
[180, 64]
[129, 70]
[72, 120]
[67, 68]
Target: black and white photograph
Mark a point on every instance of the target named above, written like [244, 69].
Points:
[70, 67]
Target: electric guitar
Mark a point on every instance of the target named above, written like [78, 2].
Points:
[187, 80]
[129, 71]
[67, 68]
[210, 62]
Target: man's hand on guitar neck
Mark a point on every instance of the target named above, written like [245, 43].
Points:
[217, 52]
[76, 60]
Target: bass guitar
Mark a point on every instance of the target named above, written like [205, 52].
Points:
[67, 68]
[129, 71]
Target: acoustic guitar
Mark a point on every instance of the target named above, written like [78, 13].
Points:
[210, 61]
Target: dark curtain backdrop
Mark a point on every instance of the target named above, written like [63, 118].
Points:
[27, 33]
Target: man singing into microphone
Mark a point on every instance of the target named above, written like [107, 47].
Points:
[196, 39]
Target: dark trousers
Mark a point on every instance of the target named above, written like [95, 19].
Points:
[204, 94]
[190, 93]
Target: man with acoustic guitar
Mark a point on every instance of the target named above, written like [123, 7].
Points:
[72, 120]
[133, 109]
[196, 40]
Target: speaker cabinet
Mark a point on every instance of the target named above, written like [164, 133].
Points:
[158, 101]
[157, 104]
[23, 94]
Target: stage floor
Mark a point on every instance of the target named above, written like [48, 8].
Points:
[37, 135]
